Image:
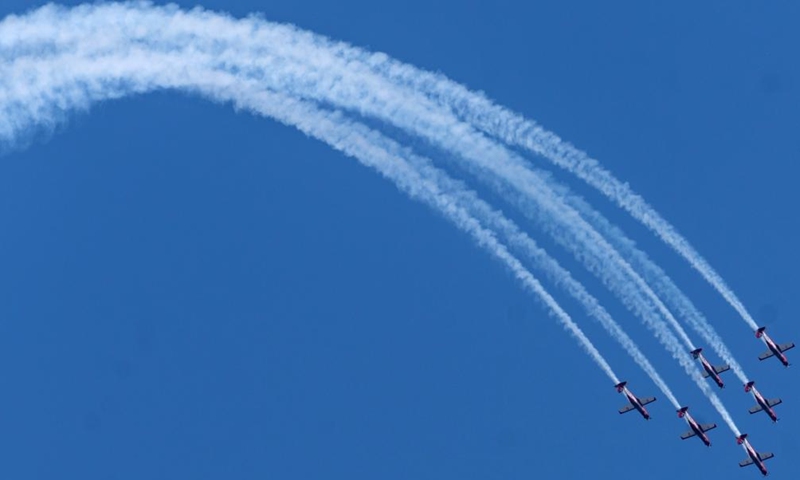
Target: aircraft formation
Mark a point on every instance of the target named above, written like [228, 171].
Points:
[260, 75]
[699, 430]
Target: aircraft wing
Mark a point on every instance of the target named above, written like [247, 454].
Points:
[746, 463]
[765, 455]
[645, 401]
[766, 355]
[722, 368]
[708, 426]
[706, 374]
[774, 401]
[785, 346]
[626, 409]
[756, 409]
[688, 434]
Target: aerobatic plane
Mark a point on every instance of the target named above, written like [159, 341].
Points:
[696, 429]
[774, 349]
[636, 403]
[710, 370]
[753, 457]
[763, 403]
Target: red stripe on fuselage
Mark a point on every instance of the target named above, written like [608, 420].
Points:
[636, 403]
[710, 370]
[751, 452]
[775, 350]
[763, 402]
[697, 430]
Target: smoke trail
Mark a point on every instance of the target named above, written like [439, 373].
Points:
[157, 31]
[643, 310]
[363, 144]
[513, 236]
[654, 275]
[331, 127]
[295, 79]
[660, 281]
[516, 130]
[564, 279]
[485, 115]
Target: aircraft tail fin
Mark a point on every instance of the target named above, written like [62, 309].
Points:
[696, 353]
[682, 412]
[741, 438]
[760, 332]
[748, 386]
[620, 386]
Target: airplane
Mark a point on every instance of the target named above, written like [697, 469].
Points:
[774, 349]
[710, 370]
[696, 429]
[753, 457]
[763, 403]
[636, 403]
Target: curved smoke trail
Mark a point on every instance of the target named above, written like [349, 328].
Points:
[517, 130]
[68, 82]
[183, 41]
[661, 282]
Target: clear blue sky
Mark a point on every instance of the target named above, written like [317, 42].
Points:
[188, 292]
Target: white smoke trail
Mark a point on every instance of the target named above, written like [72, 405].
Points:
[660, 281]
[469, 104]
[296, 79]
[315, 73]
[650, 317]
[139, 71]
[128, 30]
[513, 236]
[564, 279]
[517, 130]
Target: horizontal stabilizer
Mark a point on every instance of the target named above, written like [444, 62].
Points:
[688, 434]
[785, 346]
[766, 355]
[645, 401]
[722, 368]
[746, 463]
[626, 409]
[774, 401]
[708, 426]
[765, 455]
[756, 409]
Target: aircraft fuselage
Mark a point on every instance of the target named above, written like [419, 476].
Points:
[764, 403]
[710, 370]
[697, 430]
[751, 452]
[775, 350]
[636, 403]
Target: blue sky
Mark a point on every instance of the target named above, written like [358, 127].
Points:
[195, 293]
